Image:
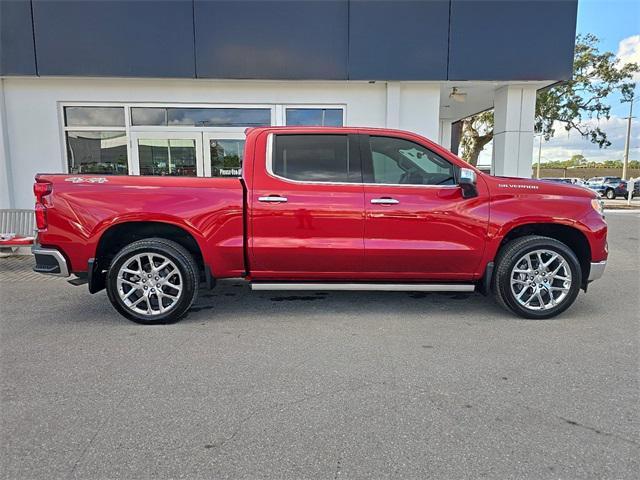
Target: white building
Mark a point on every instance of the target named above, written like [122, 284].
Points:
[131, 108]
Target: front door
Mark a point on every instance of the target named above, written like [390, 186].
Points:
[417, 224]
[307, 208]
[167, 153]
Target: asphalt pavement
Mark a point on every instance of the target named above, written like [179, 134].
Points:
[322, 385]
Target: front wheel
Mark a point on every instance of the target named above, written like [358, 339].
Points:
[610, 194]
[152, 281]
[537, 277]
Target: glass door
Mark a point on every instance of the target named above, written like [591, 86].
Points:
[223, 152]
[167, 153]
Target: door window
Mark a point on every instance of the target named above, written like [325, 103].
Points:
[176, 157]
[226, 157]
[315, 158]
[397, 161]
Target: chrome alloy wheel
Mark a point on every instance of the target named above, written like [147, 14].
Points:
[149, 283]
[541, 279]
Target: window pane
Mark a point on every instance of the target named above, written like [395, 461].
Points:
[333, 117]
[398, 161]
[386, 170]
[167, 157]
[148, 116]
[97, 152]
[219, 117]
[226, 157]
[94, 116]
[323, 117]
[322, 158]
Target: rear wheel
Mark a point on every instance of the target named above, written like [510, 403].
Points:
[152, 281]
[537, 277]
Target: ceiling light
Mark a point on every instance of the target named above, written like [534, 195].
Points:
[457, 96]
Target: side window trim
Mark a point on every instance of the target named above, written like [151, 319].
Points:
[366, 159]
[354, 164]
[367, 165]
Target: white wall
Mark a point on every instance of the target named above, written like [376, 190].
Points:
[6, 184]
[34, 134]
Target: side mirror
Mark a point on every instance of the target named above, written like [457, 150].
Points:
[467, 182]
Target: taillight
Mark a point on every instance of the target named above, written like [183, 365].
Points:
[41, 190]
[41, 216]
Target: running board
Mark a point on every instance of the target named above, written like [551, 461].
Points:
[380, 287]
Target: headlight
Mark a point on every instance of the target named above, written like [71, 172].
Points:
[598, 206]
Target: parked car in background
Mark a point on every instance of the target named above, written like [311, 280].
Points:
[570, 180]
[559, 180]
[577, 181]
[611, 187]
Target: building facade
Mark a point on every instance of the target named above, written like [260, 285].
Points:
[168, 87]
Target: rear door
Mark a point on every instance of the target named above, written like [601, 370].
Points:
[417, 224]
[307, 208]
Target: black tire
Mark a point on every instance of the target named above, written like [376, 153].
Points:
[610, 194]
[182, 260]
[506, 261]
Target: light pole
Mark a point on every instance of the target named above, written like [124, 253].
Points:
[539, 156]
[627, 142]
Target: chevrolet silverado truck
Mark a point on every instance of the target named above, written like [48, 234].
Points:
[323, 209]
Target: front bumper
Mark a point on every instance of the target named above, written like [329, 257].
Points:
[50, 261]
[596, 271]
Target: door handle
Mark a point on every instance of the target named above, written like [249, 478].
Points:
[384, 201]
[273, 199]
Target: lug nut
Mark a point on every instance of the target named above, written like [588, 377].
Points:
[157, 278]
[157, 285]
[149, 275]
[145, 287]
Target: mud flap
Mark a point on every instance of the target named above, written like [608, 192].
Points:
[96, 277]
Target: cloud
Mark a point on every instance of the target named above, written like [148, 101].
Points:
[565, 144]
[629, 52]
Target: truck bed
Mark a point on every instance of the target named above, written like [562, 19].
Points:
[87, 206]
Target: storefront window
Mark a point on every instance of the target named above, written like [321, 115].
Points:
[101, 152]
[175, 157]
[322, 117]
[94, 116]
[226, 157]
[201, 117]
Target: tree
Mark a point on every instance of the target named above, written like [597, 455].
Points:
[577, 160]
[477, 131]
[572, 103]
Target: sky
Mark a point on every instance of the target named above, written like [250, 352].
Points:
[617, 24]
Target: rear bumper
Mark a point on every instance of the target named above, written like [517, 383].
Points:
[50, 261]
[596, 271]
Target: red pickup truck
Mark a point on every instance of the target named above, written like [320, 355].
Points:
[323, 209]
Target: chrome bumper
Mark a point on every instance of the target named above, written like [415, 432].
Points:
[50, 261]
[597, 269]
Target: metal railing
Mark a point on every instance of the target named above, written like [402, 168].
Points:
[18, 222]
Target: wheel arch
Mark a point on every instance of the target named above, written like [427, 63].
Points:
[118, 235]
[571, 236]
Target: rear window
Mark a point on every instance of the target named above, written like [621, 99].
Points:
[313, 158]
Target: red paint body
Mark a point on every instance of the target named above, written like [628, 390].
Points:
[324, 231]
